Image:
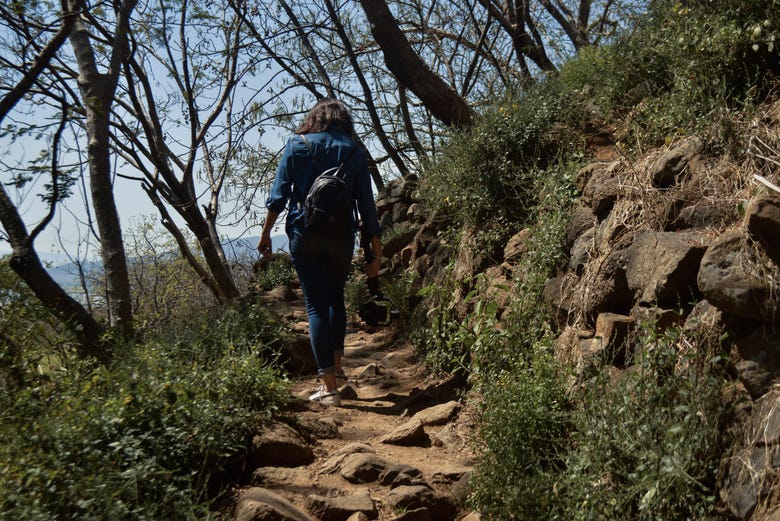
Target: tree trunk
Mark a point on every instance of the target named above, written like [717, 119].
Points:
[439, 98]
[97, 92]
[25, 262]
[218, 269]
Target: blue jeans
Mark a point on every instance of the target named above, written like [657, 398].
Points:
[323, 265]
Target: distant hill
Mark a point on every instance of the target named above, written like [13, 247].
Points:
[66, 273]
[237, 249]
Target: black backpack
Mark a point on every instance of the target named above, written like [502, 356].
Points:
[328, 206]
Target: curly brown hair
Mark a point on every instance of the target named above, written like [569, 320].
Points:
[327, 113]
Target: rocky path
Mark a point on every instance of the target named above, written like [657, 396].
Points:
[398, 448]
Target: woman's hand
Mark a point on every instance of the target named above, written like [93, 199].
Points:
[372, 268]
[264, 246]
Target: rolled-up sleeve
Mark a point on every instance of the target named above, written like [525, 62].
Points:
[365, 201]
[283, 182]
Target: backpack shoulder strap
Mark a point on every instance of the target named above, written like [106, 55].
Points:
[311, 151]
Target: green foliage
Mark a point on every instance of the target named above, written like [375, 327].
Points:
[152, 437]
[607, 82]
[279, 272]
[683, 69]
[220, 331]
[694, 59]
[29, 335]
[663, 79]
[487, 176]
[167, 293]
[448, 341]
[396, 288]
[647, 446]
[523, 435]
[525, 418]
[525, 320]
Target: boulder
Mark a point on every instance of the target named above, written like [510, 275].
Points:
[589, 353]
[397, 243]
[399, 475]
[759, 364]
[400, 210]
[470, 260]
[416, 213]
[409, 497]
[581, 219]
[438, 414]
[410, 434]
[582, 250]
[260, 504]
[517, 246]
[658, 319]
[448, 437]
[297, 355]
[319, 426]
[280, 476]
[667, 168]
[565, 348]
[336, 460]
[751, 469]
[363, 467]
[762, 221]
[462, 489]
[558, 292]
[603, 189]
[614, 330]
[725, 281]
[661, 267]
[613, 232]
[279, 445]
[416, 497]
[698, 216]
[341, 507]
[585, 173]
[607, 289]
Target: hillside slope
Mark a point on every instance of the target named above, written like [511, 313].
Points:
[669, 272]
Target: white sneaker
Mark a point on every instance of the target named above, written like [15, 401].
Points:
[325, 397]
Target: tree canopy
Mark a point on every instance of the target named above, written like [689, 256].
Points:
[191, 100]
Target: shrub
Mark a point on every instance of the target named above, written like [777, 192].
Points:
[447, 340]
[29, 333]
[717, 54]
[525, 415]
[153, 437]
[647, 446]
[278, 272]
[522, 435]
[487, 176]
[607, 82]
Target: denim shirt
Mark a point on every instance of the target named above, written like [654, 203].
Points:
[297, 171]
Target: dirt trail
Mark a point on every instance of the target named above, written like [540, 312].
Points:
[387, 387]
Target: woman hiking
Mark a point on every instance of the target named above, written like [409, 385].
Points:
[322, 253]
